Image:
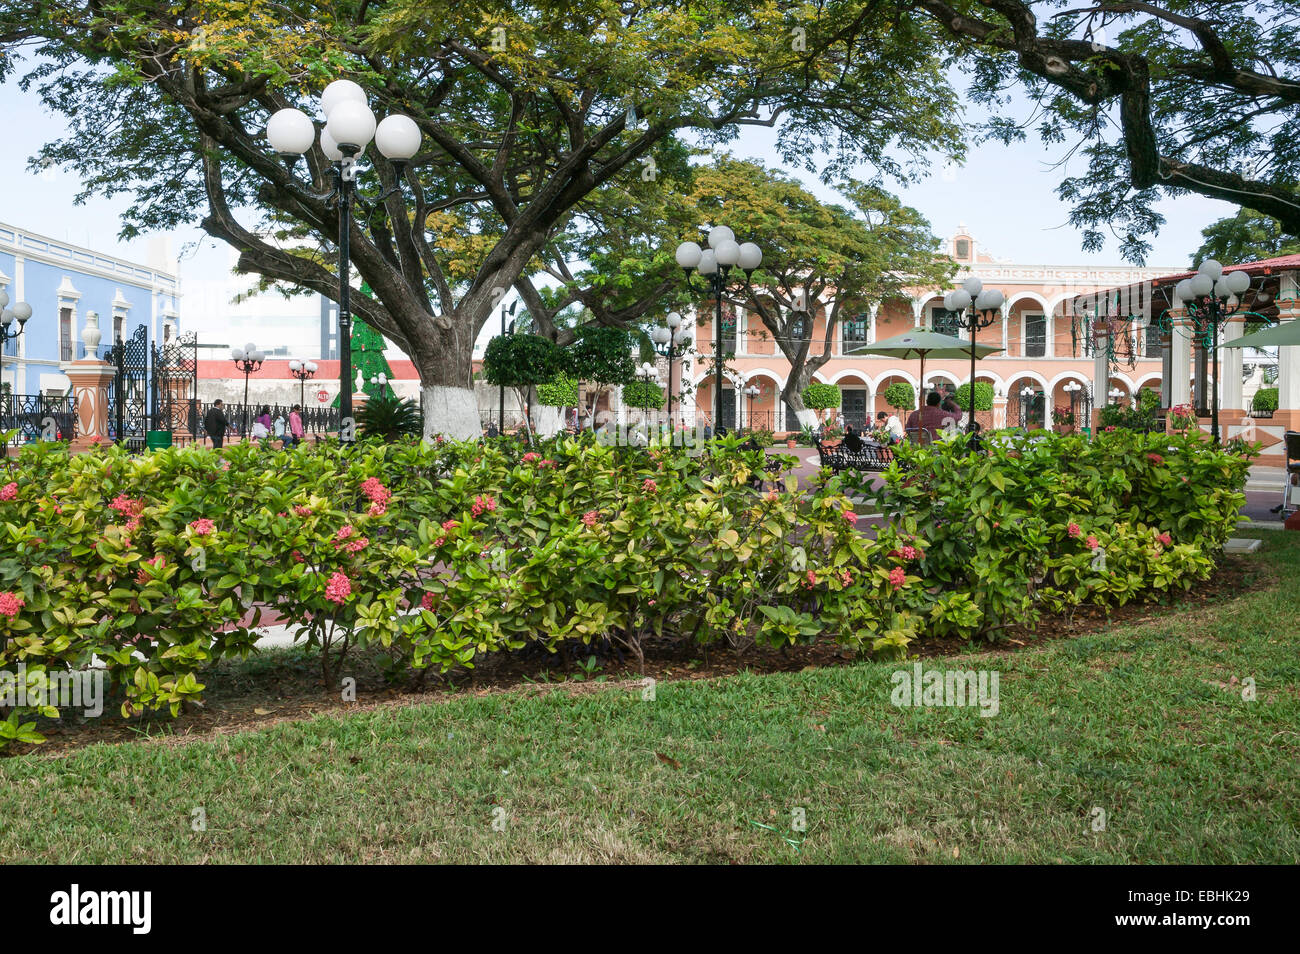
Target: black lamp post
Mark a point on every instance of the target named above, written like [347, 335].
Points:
[302, 370]
[248, 359]
[715, 263]
[501, 388]
[1206, 297]
[9, 317]
[751, 392]
[978, 307]
[349, 128]
[671, 341]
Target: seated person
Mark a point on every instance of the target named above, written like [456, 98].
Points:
[931, 417]
[852, 442]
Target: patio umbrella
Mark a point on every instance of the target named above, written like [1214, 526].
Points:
[922, 344]
[1287, 333]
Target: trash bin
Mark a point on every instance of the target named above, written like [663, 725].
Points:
[155, 440]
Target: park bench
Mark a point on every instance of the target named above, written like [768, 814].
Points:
[871, 457]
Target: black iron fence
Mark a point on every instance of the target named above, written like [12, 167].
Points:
[38, 417]
[316, 421]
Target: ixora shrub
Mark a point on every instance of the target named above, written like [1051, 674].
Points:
[154, 566]
[1049, 521]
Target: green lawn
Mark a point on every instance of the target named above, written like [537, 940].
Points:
[1143, 723]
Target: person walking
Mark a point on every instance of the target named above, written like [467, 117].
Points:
[215, 423]
[296, 431]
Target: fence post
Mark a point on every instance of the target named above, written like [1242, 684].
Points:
[91, 380]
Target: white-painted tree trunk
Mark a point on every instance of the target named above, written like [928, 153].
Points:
[806, 418]
[548, 421]
[451, 412]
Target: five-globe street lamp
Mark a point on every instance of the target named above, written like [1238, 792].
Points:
[248, 359]
[380, 380]
[978, 307]
[714, 264]
[302, 370]
[1209, 298]
[648, 374]
[1026, 401]
[671, 340]
[349, 128]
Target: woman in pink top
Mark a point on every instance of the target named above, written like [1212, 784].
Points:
[296, 433]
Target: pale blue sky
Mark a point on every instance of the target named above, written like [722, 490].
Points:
[1004, 194]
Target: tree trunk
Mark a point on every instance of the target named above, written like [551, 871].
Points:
[443, 356]
[792, 394]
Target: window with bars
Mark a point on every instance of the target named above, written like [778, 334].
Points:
[65, 334]
[947, 322]
[1151, 336]
[854, 332]
[1035, 336]
[800, 326]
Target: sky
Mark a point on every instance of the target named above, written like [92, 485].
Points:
[1005, 195]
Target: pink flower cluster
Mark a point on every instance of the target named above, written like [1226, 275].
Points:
[907, 552]
[649, 486]
[426, 602]
[302, 511]
[591, 517]
[483, 502]
[353, 544]
[1165, 538]
[378, 495]
[203, 526]
[1074, 530]
[1092, 542]
[852, 517]
[898, 577]
[846, 578]
[131, 509]
[142, 576]
[546, 463]
[1155, 459]
[339, 588]
[9, 491]
[10, 604]
[532, 456]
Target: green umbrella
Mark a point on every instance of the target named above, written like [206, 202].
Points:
[1287, 333]
[922, 344]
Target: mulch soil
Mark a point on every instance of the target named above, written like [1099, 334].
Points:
[241, 697]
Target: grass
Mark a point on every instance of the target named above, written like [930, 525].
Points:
[1144, 723]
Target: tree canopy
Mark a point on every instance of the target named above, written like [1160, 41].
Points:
[1244, 237]
[1160, 99]
[542, 124]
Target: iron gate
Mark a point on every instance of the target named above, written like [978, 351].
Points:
[128, 411]
[174, 387]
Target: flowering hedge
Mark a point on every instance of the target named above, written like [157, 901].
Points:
[1052, 521]
[156, 565]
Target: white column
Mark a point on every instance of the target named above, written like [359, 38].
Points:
[1100, 379]
[1288, 359]
[871, 323]
[1006, 320]
[1230, 396]
[1180, 363]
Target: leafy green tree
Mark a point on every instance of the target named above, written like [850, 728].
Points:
[1158, 98]
[643, 394]
[820, 260]
[543, 123]
[1244, 237]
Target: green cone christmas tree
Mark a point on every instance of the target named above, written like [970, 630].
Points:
[368, 356]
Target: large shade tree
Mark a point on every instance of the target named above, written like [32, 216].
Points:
[537, 119]
[820, 259]
[1160, 98]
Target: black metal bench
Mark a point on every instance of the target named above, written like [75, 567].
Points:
[871, 457]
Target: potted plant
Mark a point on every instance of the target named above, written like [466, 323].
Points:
[1064, 419]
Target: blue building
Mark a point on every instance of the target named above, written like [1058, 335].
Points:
[63, 283]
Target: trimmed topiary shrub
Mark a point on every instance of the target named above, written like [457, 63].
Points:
[643, 394]
[983, 396]
[819, 396]
[1265, 399]
[901, 396]
[561, 392]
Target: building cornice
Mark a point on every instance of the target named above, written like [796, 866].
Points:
[42, 248]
